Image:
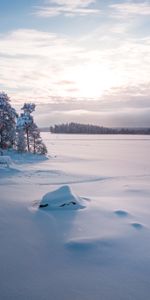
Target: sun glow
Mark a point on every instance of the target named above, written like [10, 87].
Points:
[93, 80]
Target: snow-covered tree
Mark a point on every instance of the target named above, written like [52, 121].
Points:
[21, 140]
[7, 122]
[24, 123]
[28, 132]
[36, 143]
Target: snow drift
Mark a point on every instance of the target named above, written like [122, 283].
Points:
[62, 198]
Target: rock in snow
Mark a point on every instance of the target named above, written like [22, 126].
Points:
[62, 198]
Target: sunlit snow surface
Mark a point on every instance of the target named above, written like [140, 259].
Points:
[101, 252]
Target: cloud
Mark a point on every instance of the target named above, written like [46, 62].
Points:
[45, 59]
[101, 75]
[124, 107]
[120, 118]
[67, 8]
[131, 8]
[65, 73]
[33, 62]
[72, 3]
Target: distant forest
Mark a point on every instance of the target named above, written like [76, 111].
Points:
[77, 128]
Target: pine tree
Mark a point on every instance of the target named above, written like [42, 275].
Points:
[36, 143]
[7, 122]
[28, 132]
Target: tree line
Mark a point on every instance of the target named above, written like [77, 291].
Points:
[19, 132]
[77, 128]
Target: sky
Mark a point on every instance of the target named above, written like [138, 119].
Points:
[85, 61]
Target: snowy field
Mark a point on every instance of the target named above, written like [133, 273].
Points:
[97, 250]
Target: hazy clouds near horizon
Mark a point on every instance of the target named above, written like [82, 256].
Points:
[49, 114]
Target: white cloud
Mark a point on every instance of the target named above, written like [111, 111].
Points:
[73, 3]
[131, 8]
[90, 7]
[33, 62]
[67, 8]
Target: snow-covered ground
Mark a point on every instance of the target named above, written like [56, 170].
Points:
[99, 252]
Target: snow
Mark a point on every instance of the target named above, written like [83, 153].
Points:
[61, 198]
[5, 160]
[99, 252]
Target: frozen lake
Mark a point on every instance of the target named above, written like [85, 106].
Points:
[105, 154]
[99, 252]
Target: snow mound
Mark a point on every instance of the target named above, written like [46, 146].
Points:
[85, 244]
[137, 226]
[62, 198]
[121, 213]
